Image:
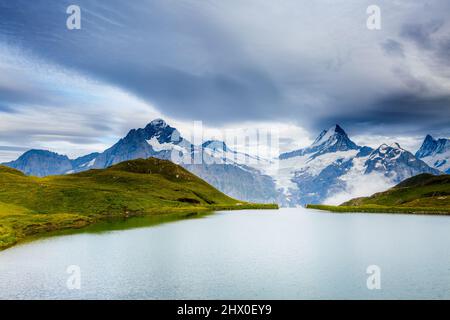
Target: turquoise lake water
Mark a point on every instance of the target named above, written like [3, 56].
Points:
[275, 254]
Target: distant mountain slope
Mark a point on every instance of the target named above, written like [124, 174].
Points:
[335, 168]
[41, 163]
[436, 153]
[84, 163]
[31, 205]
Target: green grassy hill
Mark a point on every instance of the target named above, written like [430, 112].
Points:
[31, 205]
[424, 193]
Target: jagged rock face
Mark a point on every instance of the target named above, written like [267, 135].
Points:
[428, 147]
[396, 163]
[333, 164]
[157, 139]
[435, 153]
[215, 145]
[313, 173]
[85, 162]
[41, 163]
[332, 140]
[316, 188]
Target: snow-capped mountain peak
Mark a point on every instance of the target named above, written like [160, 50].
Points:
[436, 153]
[158, 123]
[392, 147]
[395, 162]
[330, 134]
[215, 145]
[386, 151]
[332, 140]
[160, 130]
[428, 147]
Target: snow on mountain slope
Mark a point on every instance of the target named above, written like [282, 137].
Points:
[396, 163]
[164, 146]
[358, 184]
[83, 163]
[381, 169]
[439, 161]
[436, 153]
[332, 140]
[313, 165]
[220, 153]
[335, 169]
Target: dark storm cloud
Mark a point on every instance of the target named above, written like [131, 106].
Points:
[421, 33]
[393, 48]
[192, 64]
[428, 37]
[409, 80]
[158, 56]
[443, 50]
[5, 108]
[404, 115]
[13, 148]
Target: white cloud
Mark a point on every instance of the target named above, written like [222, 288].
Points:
[289, 136]
[89, 117]
[360, 186]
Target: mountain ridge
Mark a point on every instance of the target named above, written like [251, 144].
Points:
[42, 163]
[436, 153]
[331, 140]
[333, 164]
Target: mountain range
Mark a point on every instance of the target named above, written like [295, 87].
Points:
[332, 169]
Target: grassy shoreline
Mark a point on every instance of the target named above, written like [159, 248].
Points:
[423, 194]
[30, 206]
[24, 231]
[381, 209]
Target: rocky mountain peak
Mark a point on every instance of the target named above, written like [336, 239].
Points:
[215, 145]
[332, 140]
[158, 123]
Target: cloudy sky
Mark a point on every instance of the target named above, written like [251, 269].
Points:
[299, 66]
